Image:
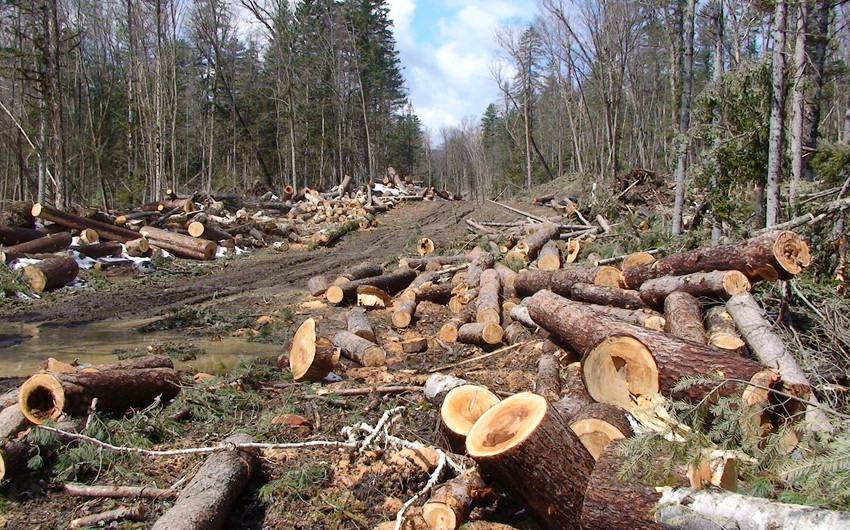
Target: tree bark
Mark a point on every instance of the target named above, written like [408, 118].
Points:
[392, 283]
[720, 284]
[488, 308]
[48, 396]
[359, 350]
[105, 231]
[721, 331]
[51, 273]
[181, 245]
[15, 235]
[49, 243]
[207, 500]
[318, 285]
[684, 317]
[606, 295]
[777, 116]
[451, 503]
[562, 280]
[525, 447]
[100, 250]
[403, 314]
[548, 382]
[311, 358]
[773, 255]
[358, 323]
[526, 250]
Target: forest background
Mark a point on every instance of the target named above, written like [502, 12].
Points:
[107, 103]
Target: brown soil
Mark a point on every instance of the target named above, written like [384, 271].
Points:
[301, 489]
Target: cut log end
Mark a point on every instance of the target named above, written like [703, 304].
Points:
[791, 252]
[617, 367]
[736, 282]
[461, 408]
[508, 425]
[311, 358]
[41, 398]
[334, 294]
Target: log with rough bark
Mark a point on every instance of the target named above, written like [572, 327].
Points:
[480, 333]
[461, 408]
[481, 261]
[721, 331]
[637, 258]
[100, 250]
[48, 396]
[432, 262]
[647, 318]
[403, 314]
[598, 424]
[207, 231]
[181, 245]
[548, 382]
[15, 235]
[42, 245]
[439, 293]
[683, 313]
[487, 304]
[515, 332]
[14, 456]
[51, 273]
[549, 258]
[719, 284]
[451, 502]
[562, 280]
[311, 358]
[359, 350]
[359, 271]
[614, 504]
[620, 359]
[106, 231]
[392, 282]
[574, 394]
[318, 285]
[207, 500]
[775, 255]
[527, 249]
[449, 330]
[524, 446]
[358, 323]
[606, 295]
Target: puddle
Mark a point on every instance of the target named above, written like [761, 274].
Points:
[23, 347]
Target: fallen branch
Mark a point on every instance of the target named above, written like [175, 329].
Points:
[480, 357]
[112, 492]
[134, 514]
[364, 391]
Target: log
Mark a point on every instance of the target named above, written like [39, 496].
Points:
[14, 456]
[462, 298]
[425, 246]
[359, 350]
[488, 308]
[12, 421]
[451, 502]
[48, 396]
[100, 250]
[480, 262]
[207, 231]
[14, 235]
[548, 382]
[372, 297]
[515, 332]
[436, 293]
[549, 258]
[646, 318]
[414, 345]
[181, 245]
[719, 284]
[311, 358]
[106, 231]
[132, 513]
[89, 236]
[318, 285]
[525, 447]
[51, 273]
[118, 492]
[774, 255]
[480, 333]
[136, 363]
[392, 283]
[207, 500]
[683, 313]
[606, 295]
[507, 277]
[620, 359]
[359, 324]
[43, 245]
[361, 270]
[527, 249]
[721, 331]
[562, 280]
[598, 424]
[138, 247]
[461, 408]
[403, 313]
[574, 394]
[421, 264]
[449, 330]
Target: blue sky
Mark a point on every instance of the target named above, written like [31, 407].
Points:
[447, 49]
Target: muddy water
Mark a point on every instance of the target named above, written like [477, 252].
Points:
[23, 347]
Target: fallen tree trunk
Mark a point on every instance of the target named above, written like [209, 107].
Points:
[48, 396]
[100, 250]
[359, 350]
[548, 382]
[432, 262]
[606, 295]
[403, 313]
[118, 492]
[358, 323]
[487, 304]
[549, 258]
[106, 231]
[181, 245]
[51, 273]
[771, 256]
[720, 284]
[358, 272]
[451, 502]
[527, 249]
[12, 421]
[562, 280]
[318, 285]
[683, 313]
[449, 330]
[480, 333]
[207, 500]
[461, 408]
[525, 447]
[620, 359]
[392, 283]
[207, 231]
[15, 235]
[43, 245]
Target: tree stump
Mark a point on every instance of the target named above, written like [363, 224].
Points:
[461, 407]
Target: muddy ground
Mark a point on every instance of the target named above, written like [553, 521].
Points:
[299, 488]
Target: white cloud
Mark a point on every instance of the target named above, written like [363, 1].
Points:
[447, 64]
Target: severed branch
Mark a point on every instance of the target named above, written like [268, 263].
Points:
[480, 357]
[391, 389]
[134, 514]
[81, 490]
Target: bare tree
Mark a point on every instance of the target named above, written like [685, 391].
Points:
[684, 112]
[777, 116]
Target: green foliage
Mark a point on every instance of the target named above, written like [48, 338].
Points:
[832, 162]
[11, 282]
[301, 483]
[196, 319]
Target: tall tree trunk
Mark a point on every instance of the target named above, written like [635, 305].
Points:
[777, 104]
[716, 116]
[816, 46]
[684, 113]
[801, 78]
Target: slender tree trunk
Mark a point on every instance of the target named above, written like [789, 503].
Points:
[684, 114]
[777, 113]
[816, 46]
[800, 81]
[716, 116]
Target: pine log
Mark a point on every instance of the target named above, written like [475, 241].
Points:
[311, 358]
[549, 258]
[18, 214]
[181, 245]
[207, 231]
[598, 424]
[562, 280]
[525, 447]
[51, 273]
[619, 359]
[480, 333]
[721, 331]
[358, 323]
[43, 245]
[359, 350]
[527, 249]
[138, 247]
[774, 255]
[421, 264]
[89, 236]
[548, 382]
[720, 284]
[48, 396]
[403, 313]
[646, 318]
[451, 502]
[683, 313]
[14, 456]
[100, 250]
[461, 408]
[318, 285]
[437, 293]
[207, 500]
[519, 313]
[487, 304]
[515, 332]
[449, 330]
[135, 363]
[70, 220]
[14, 235]
[606, 295]
[480, 262]
[573, 390]
[12, 421]
[391, 282]
[414, 345]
